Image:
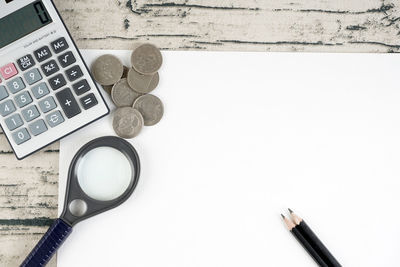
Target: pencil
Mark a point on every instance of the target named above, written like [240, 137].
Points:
[306, 245]
[314, 241]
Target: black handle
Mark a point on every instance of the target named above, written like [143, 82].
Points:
[48, 245]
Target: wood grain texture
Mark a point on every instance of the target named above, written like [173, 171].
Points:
[28, 189]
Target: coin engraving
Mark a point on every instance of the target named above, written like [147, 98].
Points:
[127, 122]
[122, 94]
[151, 109]
[107, 70]
[143, 84]
[146, 59]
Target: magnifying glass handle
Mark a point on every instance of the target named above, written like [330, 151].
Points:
[48, 245]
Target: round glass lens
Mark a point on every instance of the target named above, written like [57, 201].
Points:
[104, 173]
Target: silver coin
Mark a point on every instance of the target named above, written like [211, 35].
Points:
[142, 83]
[127, 122]
[107, 70]
[146, 59]
[151, 109]
[123, 95]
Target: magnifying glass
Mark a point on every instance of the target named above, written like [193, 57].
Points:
[102, 175]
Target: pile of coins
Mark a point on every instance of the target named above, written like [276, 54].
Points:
[130, 87]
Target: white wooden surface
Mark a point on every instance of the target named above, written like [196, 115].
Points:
[28, 189]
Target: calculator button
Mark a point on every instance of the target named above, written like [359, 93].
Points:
[68, 103]
[88, 101]
[7, 108]
[26, 62]
[50, 68]
[40, 90]
[30, 113]
[66, 59]
[3, 92]
[42, 53]
[47, 104]
[74, 73]
[54, 118]
[21, 136]
[23, 99]
[15, 85]
[59, 45]
[32, 76]
[81, 87]
[57, 82]
[38, 127]
[13, 122]
[8, 71]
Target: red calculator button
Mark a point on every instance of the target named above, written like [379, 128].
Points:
[8, 71]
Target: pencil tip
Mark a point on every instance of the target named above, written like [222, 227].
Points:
[291, 211]
[283, 216]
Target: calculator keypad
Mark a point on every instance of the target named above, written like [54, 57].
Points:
[57, 82]
[16, 85]
[50, 68]
[26, 62]
[43, 53]
[32, 76]
[27, 103]
[68, 103]
[66, 59]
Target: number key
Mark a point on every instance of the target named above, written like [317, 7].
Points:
[13, 122]
[3, 92]
[23, 99]
[6, 108]
[30, 113]
[47, 104]
[15, 85]
[32, 76]
[40, 90]
[21, 136]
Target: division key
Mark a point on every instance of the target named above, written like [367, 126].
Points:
[68, 103]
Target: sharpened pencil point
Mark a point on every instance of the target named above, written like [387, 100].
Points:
[291, 211]
[283, 216]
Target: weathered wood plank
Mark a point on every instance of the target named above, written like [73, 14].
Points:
[301, 25]
[28, 189]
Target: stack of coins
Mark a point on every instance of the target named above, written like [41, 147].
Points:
[130, 87]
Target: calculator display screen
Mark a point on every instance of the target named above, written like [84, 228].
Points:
[23, 22]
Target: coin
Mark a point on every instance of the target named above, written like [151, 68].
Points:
[125, 72]
[123, 95]
[146, 59]
[108, 88]
[142, 83]
[107, 70]
[151, 109]
[127, 122]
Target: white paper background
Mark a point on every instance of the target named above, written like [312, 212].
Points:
[246, 135]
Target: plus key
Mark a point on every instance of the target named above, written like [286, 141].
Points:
[68, 103]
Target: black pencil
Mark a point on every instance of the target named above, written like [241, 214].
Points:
[314, 241]
[306, 245]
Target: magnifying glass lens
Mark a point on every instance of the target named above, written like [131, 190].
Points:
[104, 173]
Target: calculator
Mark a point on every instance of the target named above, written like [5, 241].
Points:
[46, 90]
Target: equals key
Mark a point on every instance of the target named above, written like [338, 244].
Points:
[88, 101]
